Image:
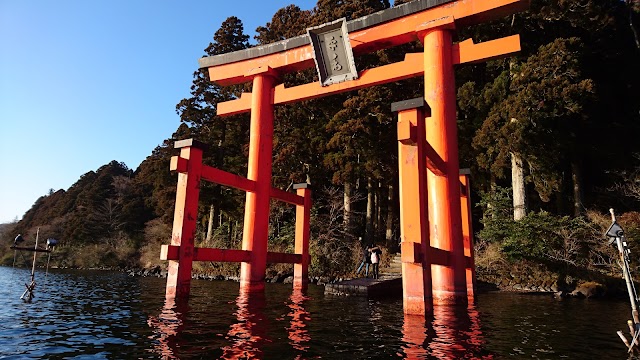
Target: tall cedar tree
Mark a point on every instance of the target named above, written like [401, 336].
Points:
[597, 47]
[298, 137]
[227, 137]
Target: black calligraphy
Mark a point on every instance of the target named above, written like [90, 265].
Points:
[333, 45]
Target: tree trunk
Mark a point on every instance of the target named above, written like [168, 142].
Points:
[493, 186]
[370, 209]
[634, 31]
[378, 212]
[235, 232]
[389, 223]
[346, 218]
[210, 227]
[230, 240]
[517, 171]
[576, 177]
[517, 182]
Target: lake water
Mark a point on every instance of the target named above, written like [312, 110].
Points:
[108, 315]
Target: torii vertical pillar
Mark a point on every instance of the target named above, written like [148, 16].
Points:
[256, 213]
[448, 281]
[467, 231]
[303, 218]
[184, 219]
[414, 219]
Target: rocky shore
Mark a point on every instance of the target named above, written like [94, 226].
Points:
[549, 283]
[558, 284]
[157, 271]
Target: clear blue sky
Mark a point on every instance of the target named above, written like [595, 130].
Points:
[86, 82]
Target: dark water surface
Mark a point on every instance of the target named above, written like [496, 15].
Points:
[108, 315]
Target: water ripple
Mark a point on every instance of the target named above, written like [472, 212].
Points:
[107, 315]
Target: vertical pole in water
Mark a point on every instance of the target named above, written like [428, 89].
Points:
[449, 283]
[185, 218]
[32, 285]
[467, 232]
[414, 218]
[256, 213]
[35, 253]
[48, 259]
[627, 277]
[625, 269]
[303, 215]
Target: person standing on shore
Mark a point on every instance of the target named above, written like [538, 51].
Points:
[366, 260]
[375, 260]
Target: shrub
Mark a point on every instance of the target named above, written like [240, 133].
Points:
[332, 248]
[156, 233]
[540, 236]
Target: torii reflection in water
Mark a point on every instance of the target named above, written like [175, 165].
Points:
[299, 336]
[250, 332]
[245, 338]
[451, 332]
[169, 326]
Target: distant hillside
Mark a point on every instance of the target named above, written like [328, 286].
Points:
[109, 206]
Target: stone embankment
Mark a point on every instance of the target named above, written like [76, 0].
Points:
[544, 283]
[529, 278]
[280, 278]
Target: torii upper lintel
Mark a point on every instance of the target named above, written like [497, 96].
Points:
[384, 29]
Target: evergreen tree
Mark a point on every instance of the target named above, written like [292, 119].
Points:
[227, 137]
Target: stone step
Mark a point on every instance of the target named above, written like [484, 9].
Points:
[395, 266]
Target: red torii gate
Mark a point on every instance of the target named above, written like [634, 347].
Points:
[437, 257]
[182, 251]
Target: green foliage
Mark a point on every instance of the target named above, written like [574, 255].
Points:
[539, 236]
[540, 101]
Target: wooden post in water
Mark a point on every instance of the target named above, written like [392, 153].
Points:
[303, 219]
[414, 218]
[184, 218]
[467, 231]
[449, 282]
[181, 253]
[35, 253]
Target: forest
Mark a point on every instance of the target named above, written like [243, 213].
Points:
[550, 136]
